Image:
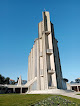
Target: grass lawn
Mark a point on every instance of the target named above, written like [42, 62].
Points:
[77, 94]
[28, 99]
[20, 99]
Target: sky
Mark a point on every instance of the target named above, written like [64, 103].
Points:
[19, 27]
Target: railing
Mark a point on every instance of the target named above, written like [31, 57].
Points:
[74, 84]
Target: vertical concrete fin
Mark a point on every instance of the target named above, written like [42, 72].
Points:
[46, 21]
[19, 81]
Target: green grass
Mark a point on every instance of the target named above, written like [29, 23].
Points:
[77, 94]
[27, 100]
[20, 99]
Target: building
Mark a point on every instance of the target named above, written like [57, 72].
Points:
[11, 81]
[75, 85]
[17, 88]
[44, 67]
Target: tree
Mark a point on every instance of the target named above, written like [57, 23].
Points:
[0, 78]
[4, 80]
[7, 80]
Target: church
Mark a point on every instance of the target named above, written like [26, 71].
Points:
[44, 67]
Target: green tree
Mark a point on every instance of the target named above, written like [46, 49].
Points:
[7, 80]
[4, 80]
[0, 78]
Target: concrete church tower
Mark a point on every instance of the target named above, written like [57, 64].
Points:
[44, 68]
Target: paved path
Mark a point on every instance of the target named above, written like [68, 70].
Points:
[58, 92]
[72, 94]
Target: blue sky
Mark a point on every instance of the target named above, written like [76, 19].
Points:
[19, 27]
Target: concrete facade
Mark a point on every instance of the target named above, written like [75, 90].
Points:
[44, 68]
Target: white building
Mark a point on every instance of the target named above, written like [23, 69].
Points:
[44, 67]
[75, 85]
